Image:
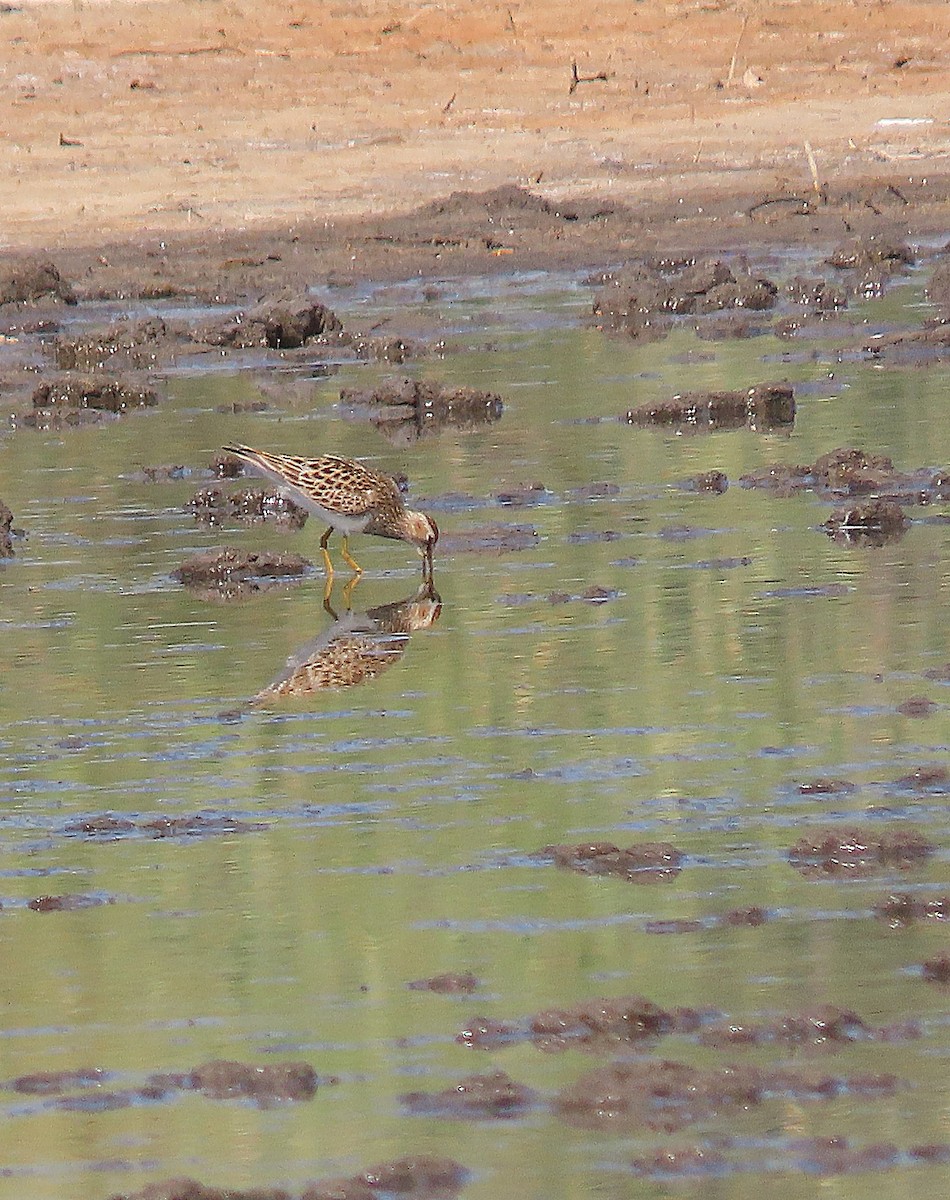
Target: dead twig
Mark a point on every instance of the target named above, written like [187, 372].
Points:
[801, 203]
[735, 51]
[448, 104]
[813, 167]
[576, 79]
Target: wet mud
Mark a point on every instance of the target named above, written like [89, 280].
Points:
[417, 1177]
[764, 406]
[230, 574]
[249, 506]
[449, 984]
[107, 827]
[6, 535]
[643, 862]
[406, 410]
[855, 852]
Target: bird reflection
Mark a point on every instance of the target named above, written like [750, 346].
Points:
[356, 648]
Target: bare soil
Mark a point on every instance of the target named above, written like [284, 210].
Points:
[222, 147]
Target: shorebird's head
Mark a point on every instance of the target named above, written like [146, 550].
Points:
[423, 532]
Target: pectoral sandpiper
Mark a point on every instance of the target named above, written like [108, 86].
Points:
[345, 495]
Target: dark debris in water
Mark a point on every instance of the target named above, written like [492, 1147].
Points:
[643, 862]
[69, 902]
[851, 472]
[6, 536]
[108, 827]
[711, 482]
[448, 984]
[413, 1177]
[495, 1096]
[763, 406]
[231, 574]
[853, 852]
[934, 779]
[827, 785]
[642, 300]
[601, 1025]
[250, 506]
[825, 1026]
[937, 969]
[409, 409]
[25, 279]
[662, 1095]
[901, 909]
[917, 706]
[56, 1083]
[73, 401]
[871, 523]
[826, 1156]
[490, 539]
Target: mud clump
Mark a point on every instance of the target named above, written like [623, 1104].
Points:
[108, 827]
[848, 471]
[449, 984]
[56, 1083]
[599, 1026]
[849, 852]
[642, 299]
[937, 969]
[917, 706]
[926, 345]
[6, 537]
[418, 1177]
[490, 539]
[285, 322]
[250, 506]
[111, 395]
[817, 295]
[764, 406]
[476, 1097]
[681, 1161]
[69, 902]
[229, 574]
[411, 409]
[824, 1026]
[871, 262]
[901, 909]
[667, 1096]
[25, 280]
[873, 523]
[713, 482]
[126, 345]
[826, 786]
[225, 1080]
[926, 779]
[657, 1094]
[643, 862]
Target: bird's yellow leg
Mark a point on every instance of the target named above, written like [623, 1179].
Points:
[348, 590]
[327, 593]
[327, 564]
[350, 562]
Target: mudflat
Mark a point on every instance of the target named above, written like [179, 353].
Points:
[220, 146]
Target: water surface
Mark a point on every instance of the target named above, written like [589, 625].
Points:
[732, 652]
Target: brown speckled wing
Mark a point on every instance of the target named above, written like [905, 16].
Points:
[337, 484]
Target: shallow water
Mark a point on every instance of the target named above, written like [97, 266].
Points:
[734, 653]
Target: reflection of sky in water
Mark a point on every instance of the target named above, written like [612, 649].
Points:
[674, 681]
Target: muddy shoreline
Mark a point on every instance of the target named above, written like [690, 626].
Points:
[501, 231]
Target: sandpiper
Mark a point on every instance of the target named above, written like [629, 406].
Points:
[345, 495]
